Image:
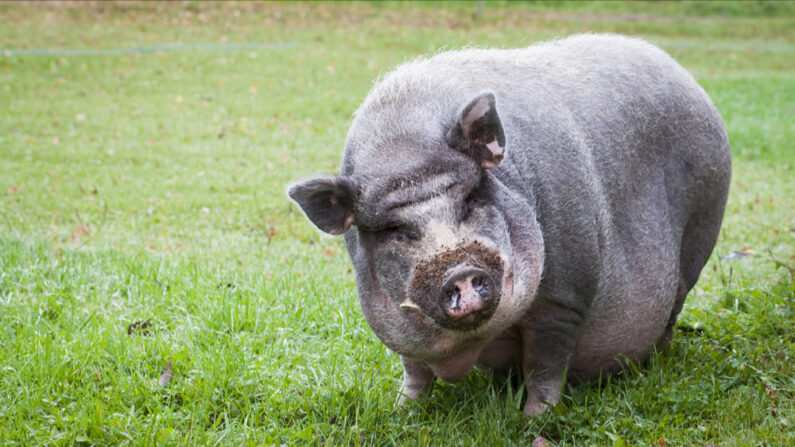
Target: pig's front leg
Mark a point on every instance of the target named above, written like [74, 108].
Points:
[548, 341]
[417, 380]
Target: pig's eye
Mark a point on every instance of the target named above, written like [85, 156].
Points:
[469, 205]
[396, 234]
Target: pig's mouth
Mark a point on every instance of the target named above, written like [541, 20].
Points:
[459, 288]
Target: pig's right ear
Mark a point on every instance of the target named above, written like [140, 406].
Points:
[327, 202]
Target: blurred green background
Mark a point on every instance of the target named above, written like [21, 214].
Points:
[144, 153]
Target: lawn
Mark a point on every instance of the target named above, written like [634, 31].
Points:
[145, 149]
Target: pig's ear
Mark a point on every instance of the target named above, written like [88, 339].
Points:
[478, 132]
[327, 202]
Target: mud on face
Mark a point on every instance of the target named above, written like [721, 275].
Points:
[459, 288]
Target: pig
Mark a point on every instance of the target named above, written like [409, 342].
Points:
[546, 208]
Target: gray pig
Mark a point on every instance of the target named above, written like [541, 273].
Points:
[547, 208]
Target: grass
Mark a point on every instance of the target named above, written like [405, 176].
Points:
[149, 187]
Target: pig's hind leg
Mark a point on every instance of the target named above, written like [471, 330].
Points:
[698, 239]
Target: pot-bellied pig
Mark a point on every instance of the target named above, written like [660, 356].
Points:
[547, 207]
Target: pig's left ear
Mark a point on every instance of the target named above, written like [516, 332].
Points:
[478, 132]
[327, 202]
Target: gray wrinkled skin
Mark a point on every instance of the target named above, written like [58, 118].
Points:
[582, 180]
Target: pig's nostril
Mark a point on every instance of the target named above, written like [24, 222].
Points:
[454, 294]
[477, 283]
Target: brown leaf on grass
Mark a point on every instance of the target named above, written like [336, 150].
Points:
[744, 253]
[139, 327]
[13, 190]
[79, 230]
[540, 442]
[167, 374]
[734, 255]
[771, 394]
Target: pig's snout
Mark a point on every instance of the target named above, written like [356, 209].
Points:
[459, 288]
[467, 295]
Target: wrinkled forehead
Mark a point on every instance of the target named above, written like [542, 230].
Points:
[410, 185]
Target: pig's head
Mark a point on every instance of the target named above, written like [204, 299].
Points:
[446, 255]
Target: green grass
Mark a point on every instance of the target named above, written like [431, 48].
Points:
[150, 187]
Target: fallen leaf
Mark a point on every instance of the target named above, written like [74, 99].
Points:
[167, 374]
[139, 327]
[13, 190]
[540, 442]
[737, 255]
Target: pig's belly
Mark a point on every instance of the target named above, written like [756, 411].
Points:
[624, 324]
[502, 353]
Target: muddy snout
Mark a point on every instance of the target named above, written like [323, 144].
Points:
[460, 288]
[468, 294]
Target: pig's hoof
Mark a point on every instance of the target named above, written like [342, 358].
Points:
[403, 399]
[407, 396]
[534, 407]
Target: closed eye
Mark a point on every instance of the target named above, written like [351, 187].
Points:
[398, 234]
[469, 205]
